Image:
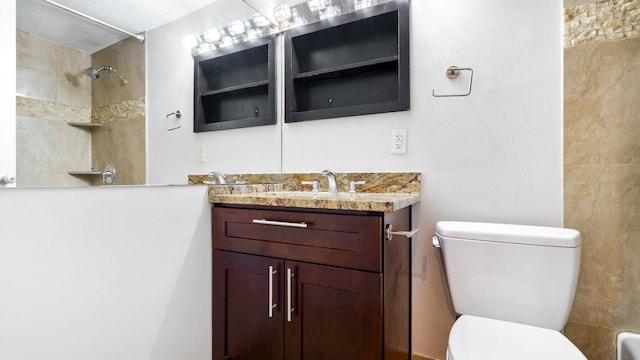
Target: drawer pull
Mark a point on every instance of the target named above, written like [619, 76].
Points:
[271, 304]
[280, 223]
[290, 308]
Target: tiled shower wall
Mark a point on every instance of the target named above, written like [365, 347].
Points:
[53, 90]
[120, 108]
[602, 168]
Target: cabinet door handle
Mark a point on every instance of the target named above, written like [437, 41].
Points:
[271, 304]
[280, 223]
[290, 308]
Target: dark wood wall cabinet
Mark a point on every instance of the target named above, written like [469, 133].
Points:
[303, 284]
[235, 87]
[354, 64]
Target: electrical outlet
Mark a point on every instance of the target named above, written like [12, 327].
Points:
[202, 153]
[399, 141]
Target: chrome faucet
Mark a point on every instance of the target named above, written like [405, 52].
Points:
[217, 175]
[331, 179]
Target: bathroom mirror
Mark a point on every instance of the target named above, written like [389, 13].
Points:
[73, 124]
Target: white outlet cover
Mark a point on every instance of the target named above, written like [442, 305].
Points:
[399, 141]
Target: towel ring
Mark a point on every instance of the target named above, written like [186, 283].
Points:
[452, 73]
[178, 115]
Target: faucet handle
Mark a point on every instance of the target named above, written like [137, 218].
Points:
[313, 183]
[352, 186]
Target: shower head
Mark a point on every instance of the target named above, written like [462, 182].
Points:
[94, 73]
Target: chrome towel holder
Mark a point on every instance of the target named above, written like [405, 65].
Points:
[178, 115]
[452, 73]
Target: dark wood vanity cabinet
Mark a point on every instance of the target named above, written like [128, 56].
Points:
[309, 284]
[353, 64]
[234, 87]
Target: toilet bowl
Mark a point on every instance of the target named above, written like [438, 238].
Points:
[476, 338]
[513, 286]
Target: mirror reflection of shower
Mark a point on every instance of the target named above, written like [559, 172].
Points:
[94, 73]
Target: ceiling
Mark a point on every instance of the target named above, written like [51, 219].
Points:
[135, 16]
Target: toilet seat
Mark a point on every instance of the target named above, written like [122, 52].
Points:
[476, 338]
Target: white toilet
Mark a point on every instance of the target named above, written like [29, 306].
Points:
[513, 286]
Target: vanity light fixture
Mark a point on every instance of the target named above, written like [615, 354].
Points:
[329, 12]
[203, 48]
[226, 41]
[316, 5]
[212, 35]
[236, 32]
[310, 11]
[236, 28]
[252, 34]
[282, 12]
[361, 4]
[261, 21]
[190, 41]
[288, 16]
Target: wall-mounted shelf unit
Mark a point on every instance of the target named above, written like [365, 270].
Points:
[235, 86]
[354, 64]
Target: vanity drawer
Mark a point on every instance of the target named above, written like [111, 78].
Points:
[345, 240]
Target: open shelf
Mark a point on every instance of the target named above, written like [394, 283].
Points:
[235, 87]
[355, 64]
[347, 68]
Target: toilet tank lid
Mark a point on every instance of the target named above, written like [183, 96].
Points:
[509, 233]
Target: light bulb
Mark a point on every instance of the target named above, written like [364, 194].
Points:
[226, 41]
[261, 21]
[315, 5]
[282, 12]
[190, 41]
[212, 35]
[329, 12]
[236, 27]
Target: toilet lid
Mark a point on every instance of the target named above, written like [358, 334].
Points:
[476, 338]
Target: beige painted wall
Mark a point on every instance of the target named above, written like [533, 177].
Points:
[602, 169]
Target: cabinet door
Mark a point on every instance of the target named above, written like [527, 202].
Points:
[336, 313]
[243, 293]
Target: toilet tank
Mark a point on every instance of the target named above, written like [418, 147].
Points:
[524, 274]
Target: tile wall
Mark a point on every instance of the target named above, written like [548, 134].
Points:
[53, 90]
[602, 168]
[120, 107]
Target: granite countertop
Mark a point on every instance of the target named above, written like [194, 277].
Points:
[384, 192]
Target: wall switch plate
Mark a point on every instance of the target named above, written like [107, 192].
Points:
[399, 141]
[202, 153]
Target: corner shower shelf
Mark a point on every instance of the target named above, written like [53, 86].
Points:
[108, 174]
[88, 172]
[83, 124]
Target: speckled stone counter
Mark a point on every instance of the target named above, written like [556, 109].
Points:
[381, 191]
[321, 200]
